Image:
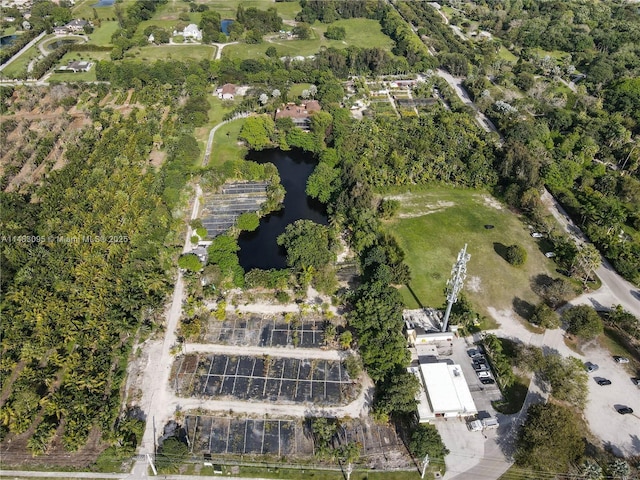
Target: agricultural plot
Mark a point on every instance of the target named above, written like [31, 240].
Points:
[321, 382]
[266, 331]
[225, 435]
[221, 210]
[379, 445]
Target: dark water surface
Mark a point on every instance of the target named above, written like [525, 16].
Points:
[225, 24]
[7, 40]
[259, 249]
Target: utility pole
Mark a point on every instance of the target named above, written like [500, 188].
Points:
[454, 284]
[349, 471]
[424, 465]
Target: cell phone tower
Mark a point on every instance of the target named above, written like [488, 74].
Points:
[454, 284]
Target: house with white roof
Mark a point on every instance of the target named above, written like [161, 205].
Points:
[190, 32]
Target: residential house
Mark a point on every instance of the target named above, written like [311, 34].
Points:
[60, 31]
[227, 91]
[76, 26]
[75, 67]
[299, 114]
[190, 32]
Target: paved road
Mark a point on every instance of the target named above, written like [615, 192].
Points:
[481, 118]
[123, 476]
[24, 49]
[615, 290]
[207, 152]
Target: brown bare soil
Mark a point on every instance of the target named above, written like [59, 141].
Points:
[16, 454]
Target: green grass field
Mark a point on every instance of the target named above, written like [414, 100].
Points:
[85, 9]
[225, 144]
[361, 32]
[228, 8]
[102, 34]
[89, 76]
[217, 110]
[176, 52]
[434, 224]
[19, 65]
[505, 54]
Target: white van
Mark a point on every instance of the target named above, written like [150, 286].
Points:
[475, 426]
[490, 423]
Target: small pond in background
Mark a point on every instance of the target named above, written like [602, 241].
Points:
[225, 24]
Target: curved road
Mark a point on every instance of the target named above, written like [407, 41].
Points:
[615, 290]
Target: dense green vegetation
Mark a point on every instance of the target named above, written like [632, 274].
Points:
[74, 299]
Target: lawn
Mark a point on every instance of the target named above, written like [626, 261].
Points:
[297, 88]
[19, 65]
[102, 35]
[217, 110]
[432, 227]
[225, 144]
[505, 54]
[361, 32]
[177, 52]
[85, 9]
[228, 8]
[89, 76]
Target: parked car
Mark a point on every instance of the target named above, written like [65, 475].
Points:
[487, 381]
[603, 381]
[475, 426]
[537, 235]
[591, 367]
[624, 410]
[480, 359]
[474, 353]
[483, 374]
[550, 254]
[620, 359]
[480, 367]
[636, 381]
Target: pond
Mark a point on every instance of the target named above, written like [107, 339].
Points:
[7, 40]
[225, 24]
[104, 3]
[259, 249]
[59, 43]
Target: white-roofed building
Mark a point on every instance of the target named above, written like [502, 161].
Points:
[444, 392]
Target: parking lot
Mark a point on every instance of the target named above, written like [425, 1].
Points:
[474, 454]
[621, 433]
[322, 382]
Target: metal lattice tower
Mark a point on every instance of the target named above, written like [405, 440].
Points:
[454, 284]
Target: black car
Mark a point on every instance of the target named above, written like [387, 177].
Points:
[603, 381]
[480, 359]
[624, 410]
[480, 367]
[487, 381]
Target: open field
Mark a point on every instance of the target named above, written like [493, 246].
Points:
[228, 8]
[102, 34]
[225, 144]
[361, 32]
[217, 110]
[86, 9]
[505, 54]
[152, 53]
[434, 224]
[19, 65]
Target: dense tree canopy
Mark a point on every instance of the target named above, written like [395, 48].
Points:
[551, 439]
